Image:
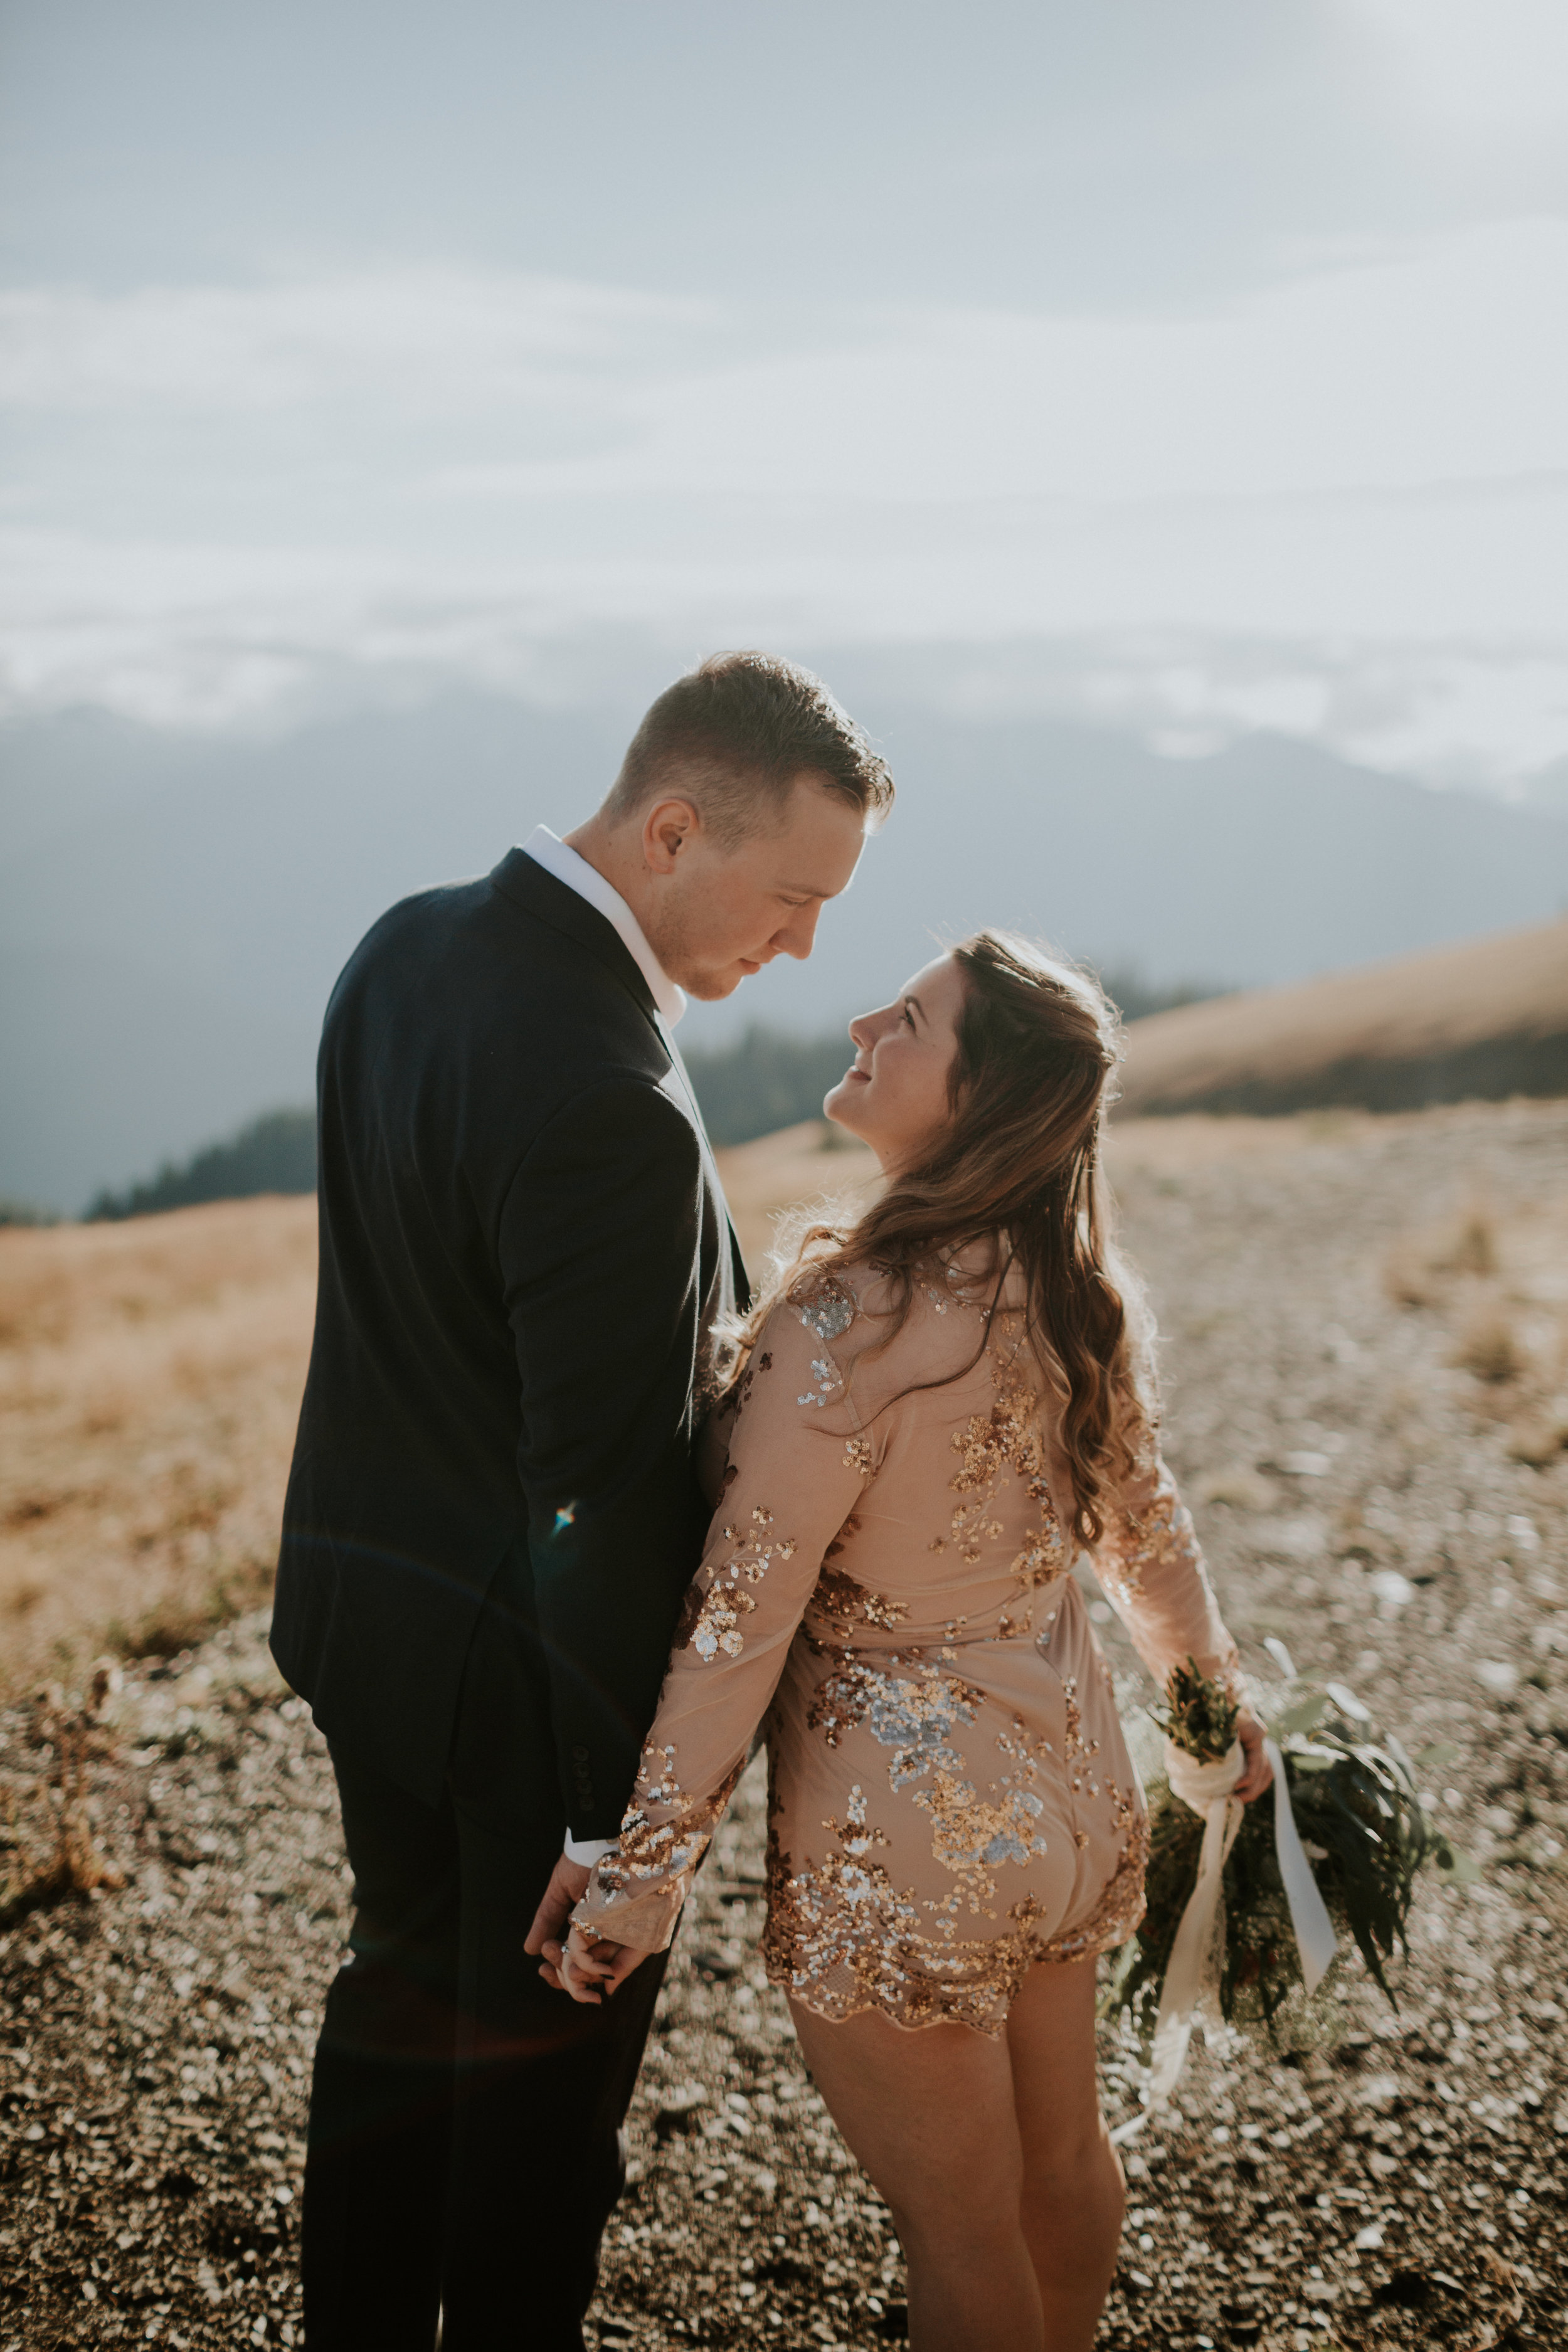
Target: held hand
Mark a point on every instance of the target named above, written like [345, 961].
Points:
[589, 1967]
[1259, 1772]
[568, 1884]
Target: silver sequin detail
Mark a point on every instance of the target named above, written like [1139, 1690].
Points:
[830, 1313]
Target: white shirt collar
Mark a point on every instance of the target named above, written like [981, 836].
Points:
[547, 850]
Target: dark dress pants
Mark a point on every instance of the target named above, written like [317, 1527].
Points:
[464, 2148]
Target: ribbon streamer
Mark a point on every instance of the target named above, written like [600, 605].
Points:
[1193, 1970]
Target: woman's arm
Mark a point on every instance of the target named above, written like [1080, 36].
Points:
[797, 1467]
[1152, 1569]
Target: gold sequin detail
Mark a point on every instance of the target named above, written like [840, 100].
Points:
[841, 1937]
[660, 1835]
[930, 1841]
[973, 1837]
[717, 1600]
[845, 1604]
[1008, 1440]
[1159, 1536]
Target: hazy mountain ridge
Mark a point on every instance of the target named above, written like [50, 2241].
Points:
[765, 1080]
[174, 910]
[275, 1153]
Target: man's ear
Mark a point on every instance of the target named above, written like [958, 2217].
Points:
[670, 825]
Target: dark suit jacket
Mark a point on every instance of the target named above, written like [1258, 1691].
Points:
[523, 1248]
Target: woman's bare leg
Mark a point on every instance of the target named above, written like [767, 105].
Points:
[1073, 2196]
[930, 2115]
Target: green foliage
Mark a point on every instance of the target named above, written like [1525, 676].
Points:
[1366, 1838]
[1198, 1716]
[766, 1080]
[24, 1212]
[274, 1154]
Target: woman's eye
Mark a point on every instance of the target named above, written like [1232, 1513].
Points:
[909, 1016]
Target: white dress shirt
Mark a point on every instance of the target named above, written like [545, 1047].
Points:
[547, 849]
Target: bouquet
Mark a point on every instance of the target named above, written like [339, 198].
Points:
[1333, 1858]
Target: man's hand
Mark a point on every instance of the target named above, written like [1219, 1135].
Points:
[1259, 1772]
[568, 1884]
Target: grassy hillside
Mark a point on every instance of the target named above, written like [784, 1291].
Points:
[1483, 1021]
[150, 1381]
[275, 1153]
[150, 1368]
[173, 911]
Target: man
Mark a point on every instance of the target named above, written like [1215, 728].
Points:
[492, 1517]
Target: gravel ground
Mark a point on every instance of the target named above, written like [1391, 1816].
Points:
[1360, 1500]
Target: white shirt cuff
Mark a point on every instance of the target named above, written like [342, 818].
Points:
[587, 1851]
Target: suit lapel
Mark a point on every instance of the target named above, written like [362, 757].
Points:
[677, 1065]
[522, 879]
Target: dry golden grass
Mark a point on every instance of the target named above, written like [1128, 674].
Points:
[72, 1736]
[811, 1162]
[150, 1378]
[1488, 1346]
[1420, 1268]
[150, 1381]
[1501, 1282]
[1185, 1144]
[150, 1372]
[816, 1162]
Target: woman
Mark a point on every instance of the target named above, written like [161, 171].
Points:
[933, 1412]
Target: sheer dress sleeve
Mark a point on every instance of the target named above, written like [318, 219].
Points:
[798, 1464]
[1152, 1570]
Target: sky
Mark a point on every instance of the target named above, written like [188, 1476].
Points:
[1188, 369]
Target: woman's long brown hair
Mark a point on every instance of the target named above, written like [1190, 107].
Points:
[1019, 1165]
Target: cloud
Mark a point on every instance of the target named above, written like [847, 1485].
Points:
[1479, 712]
[1339, 506]
[1442, 359]
[422, 340]
[1476, 66]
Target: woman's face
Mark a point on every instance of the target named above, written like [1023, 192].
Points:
[895, 1096]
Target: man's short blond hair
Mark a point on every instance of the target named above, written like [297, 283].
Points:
[733, 735]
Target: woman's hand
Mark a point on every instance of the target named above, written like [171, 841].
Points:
[1259, 1772]
[588, 1967]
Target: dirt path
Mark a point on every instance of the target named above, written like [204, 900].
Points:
[1362, 1496]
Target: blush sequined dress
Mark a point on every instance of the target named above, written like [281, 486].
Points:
[886, 1589]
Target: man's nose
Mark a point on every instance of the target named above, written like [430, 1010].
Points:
[798, 936]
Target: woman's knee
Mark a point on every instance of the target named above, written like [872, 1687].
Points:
[1072, 2166]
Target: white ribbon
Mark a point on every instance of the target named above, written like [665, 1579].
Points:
[1197, 1953]
[1309, 1912]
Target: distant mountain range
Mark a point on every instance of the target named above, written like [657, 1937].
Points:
[173, 910]
[761, 1081]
